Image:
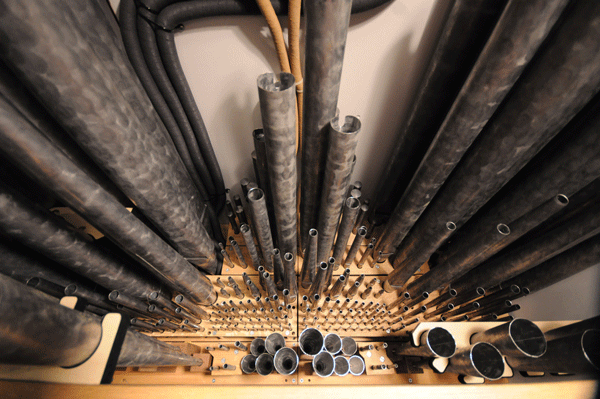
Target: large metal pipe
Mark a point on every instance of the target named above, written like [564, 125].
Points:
[286, 361]
[465, 31]
[51, 236]
[350, 211]
[277, 97]
[517, 338]
[549, 94]
[38, 331]
[532, 253]
[470, 252]
[326, 30]
[435, 342]
[525, 25]
[573, 328]
[309, 262]
[318, 285]
[341, 147]
[132, 148]
[26, 147]
[576, 353]
[260, 219]
[262, 176]
[479, 360]
[311, 341]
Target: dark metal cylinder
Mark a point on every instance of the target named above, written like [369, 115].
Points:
[323, 364]
[279, 273]
[311, 341]
[365, 256]
[480, 360]
[342, 367]
[349, 346]
[260, 218]
[435, 342]
[516, 338]
[277, 97]
[573, 328]
[349, 214]
[309, 263]
[238, 252]
[364, 208]
[358, 240]
[257, 347]
[286, 361]
[338, 287]
[318, 285]
[250, 246]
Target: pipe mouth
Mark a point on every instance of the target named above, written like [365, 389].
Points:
[441, 342]
[527, 337]
[257, 347]
[244, 228]
[258, 134]
[331, 260]
[352, 203]
[273, 82]
[351, 124]
[515, 289]
[323, 364]
[349, 346]
[333, 343]
[264, 364]
[451, 226]
[255, 194]
[452, 292]
[562, 199]
[503, 229]
[590, 345]
[342, 367]
[112, 296]
[276, 251]
[526, 291]
[362, 231]
[357, 365]
[311, 341]
[342, 278]
[274, 342]
[487, 360]
[248, 364]
[285, 361]
[288, 256]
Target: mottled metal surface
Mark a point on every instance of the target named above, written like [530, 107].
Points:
[519, 337]
[520, 31]
[358, 240]
[250, 246]
[326, 30]
[260, 221]
[468, 253]
[340, 154]
[532, 253]
[262, 175]
[562, 78]
[35, 155]
[309, 263]
[318, 285]
[238, 252]
[51, 236]
[464, 34]
[277, 97]
[479, 360]
[77, 82]
[349, 215]
[277, 268]
[365, 257]
[338, 287]
[290, 281]
[364, 208]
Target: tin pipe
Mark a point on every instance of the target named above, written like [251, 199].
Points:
[125, 300]
[248, 364]
[311, 341]
[364, 208]
[28, 149]
[318, 285]
[338, 287]
[286, 361]
[278, 267]
[326, 30]
[257, 347]
[349, 346]
[238, 252]
[256, 200]
[368, 252]
[332, 343]
[251, 286]
[270, 286]
[524, 25]
[349, 215]
[517, 338]
[264, 364]
[573, 328]
[249, 241]
[323, 364]
[358, 240]
[274, 342]
[342, 367]
[47, 287]
[263, 174]
[479, 360]
[277, 98]
[342, 145]
[357, 365]
[570, 354]
[450, 293]
[233, 222]
[290, 281]
[309, 263]
[435, 342]
[192, 307]
[440, 310]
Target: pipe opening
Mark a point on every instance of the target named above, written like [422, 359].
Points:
[273, 82]
[362, 231]
[274, 342]
[311, 341]
[245, 228]
[323, 364]
[503, 229]
[352, 203]
[248, 364]
[285, 361]
[264, 364]
[590, 344]
[255, 194]
[452, 292]
[526, 291]
[357, 365]
[257, 347]
[349, 346]
[342, 367]
[451, 226]
[333, 343]
[527, 337]
[487, 360]
[406, 295]
[480, 291]
[562, 199]
[351, 124]
[313, 232]
[441, 342]
[288, 256]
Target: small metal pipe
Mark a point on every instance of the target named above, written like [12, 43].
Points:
[238, 252]
[349, 346]
[479, 360]
[290, 281]
[412, 302]
[233, 222]
[442, 297]
[248, 364]
[342, 367]
[279, 274]
[256, 200]
[332, 343]
[338, 287]
[364, 208]
[309, 263]
[270, 286]
[47, 287]
[516, 338]
[365, 256]
[263, 173]
[192, 307]
[251, 286]
[241, 214]
[250, 246]
[360, 235]
[351, 207]
[130, 302]
[366, 293]
[286, 361]
[318, 285]
[440, 310]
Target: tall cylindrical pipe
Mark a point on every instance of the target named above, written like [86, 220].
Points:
[338, 287]
[435, 342]
[250, 246]
[132, 148]
[358, 240]
[277, 97]
[290, 281]
[350, 211]
[260, 218]
[279, 273]
[548, 93]
[573, 328]
[34, 154]
[518, 338]
[309, 263]
[479, 360]
[326, 30]
[318, 285]
[342, 145]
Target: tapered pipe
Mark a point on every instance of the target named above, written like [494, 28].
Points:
[524, 25]
[576, 353]
[274, 342]
[290, 281]
[238, 253]
[573, 328]
[358, 240]
[28, 149]
[286, 361]
[249, 241]
[311, 341]
[277, 98]
[130, 302]
[68, 337]
[309, 263]
[349, 214]
[342, 145]
[435, 342]
[192, 307]
[323, 364]
[251, 286]
[574, 231]
[150, 172]
[264, 364]
[516, 338]
[357, 365]
[338, 287]
[279, 274]
[318, 285]
[470, 252]
[364, 208]
[257, 347]
[260, 218]
[233, 222]
[479, 360]
[332, 343]
[342, 367]
[326, 30]
[349, 346]
[248, 364]
[365, 256]
[51, 236]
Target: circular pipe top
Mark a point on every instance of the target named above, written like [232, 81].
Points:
[342, 367]
[257, 347]
[487, 360]
[349, 346]
[264, 364]
[333, 343]
[274, 342]
[323, 364]
[357, 365]
[440, 342]
[285, 361]
[527, 337]
[311, 341]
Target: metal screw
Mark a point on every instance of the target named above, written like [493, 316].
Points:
[223, 360]
[410, 380]
[294, 380]
[382, 359]
[236, 351]
[227, 269]
[301, 380]
[214, 380]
